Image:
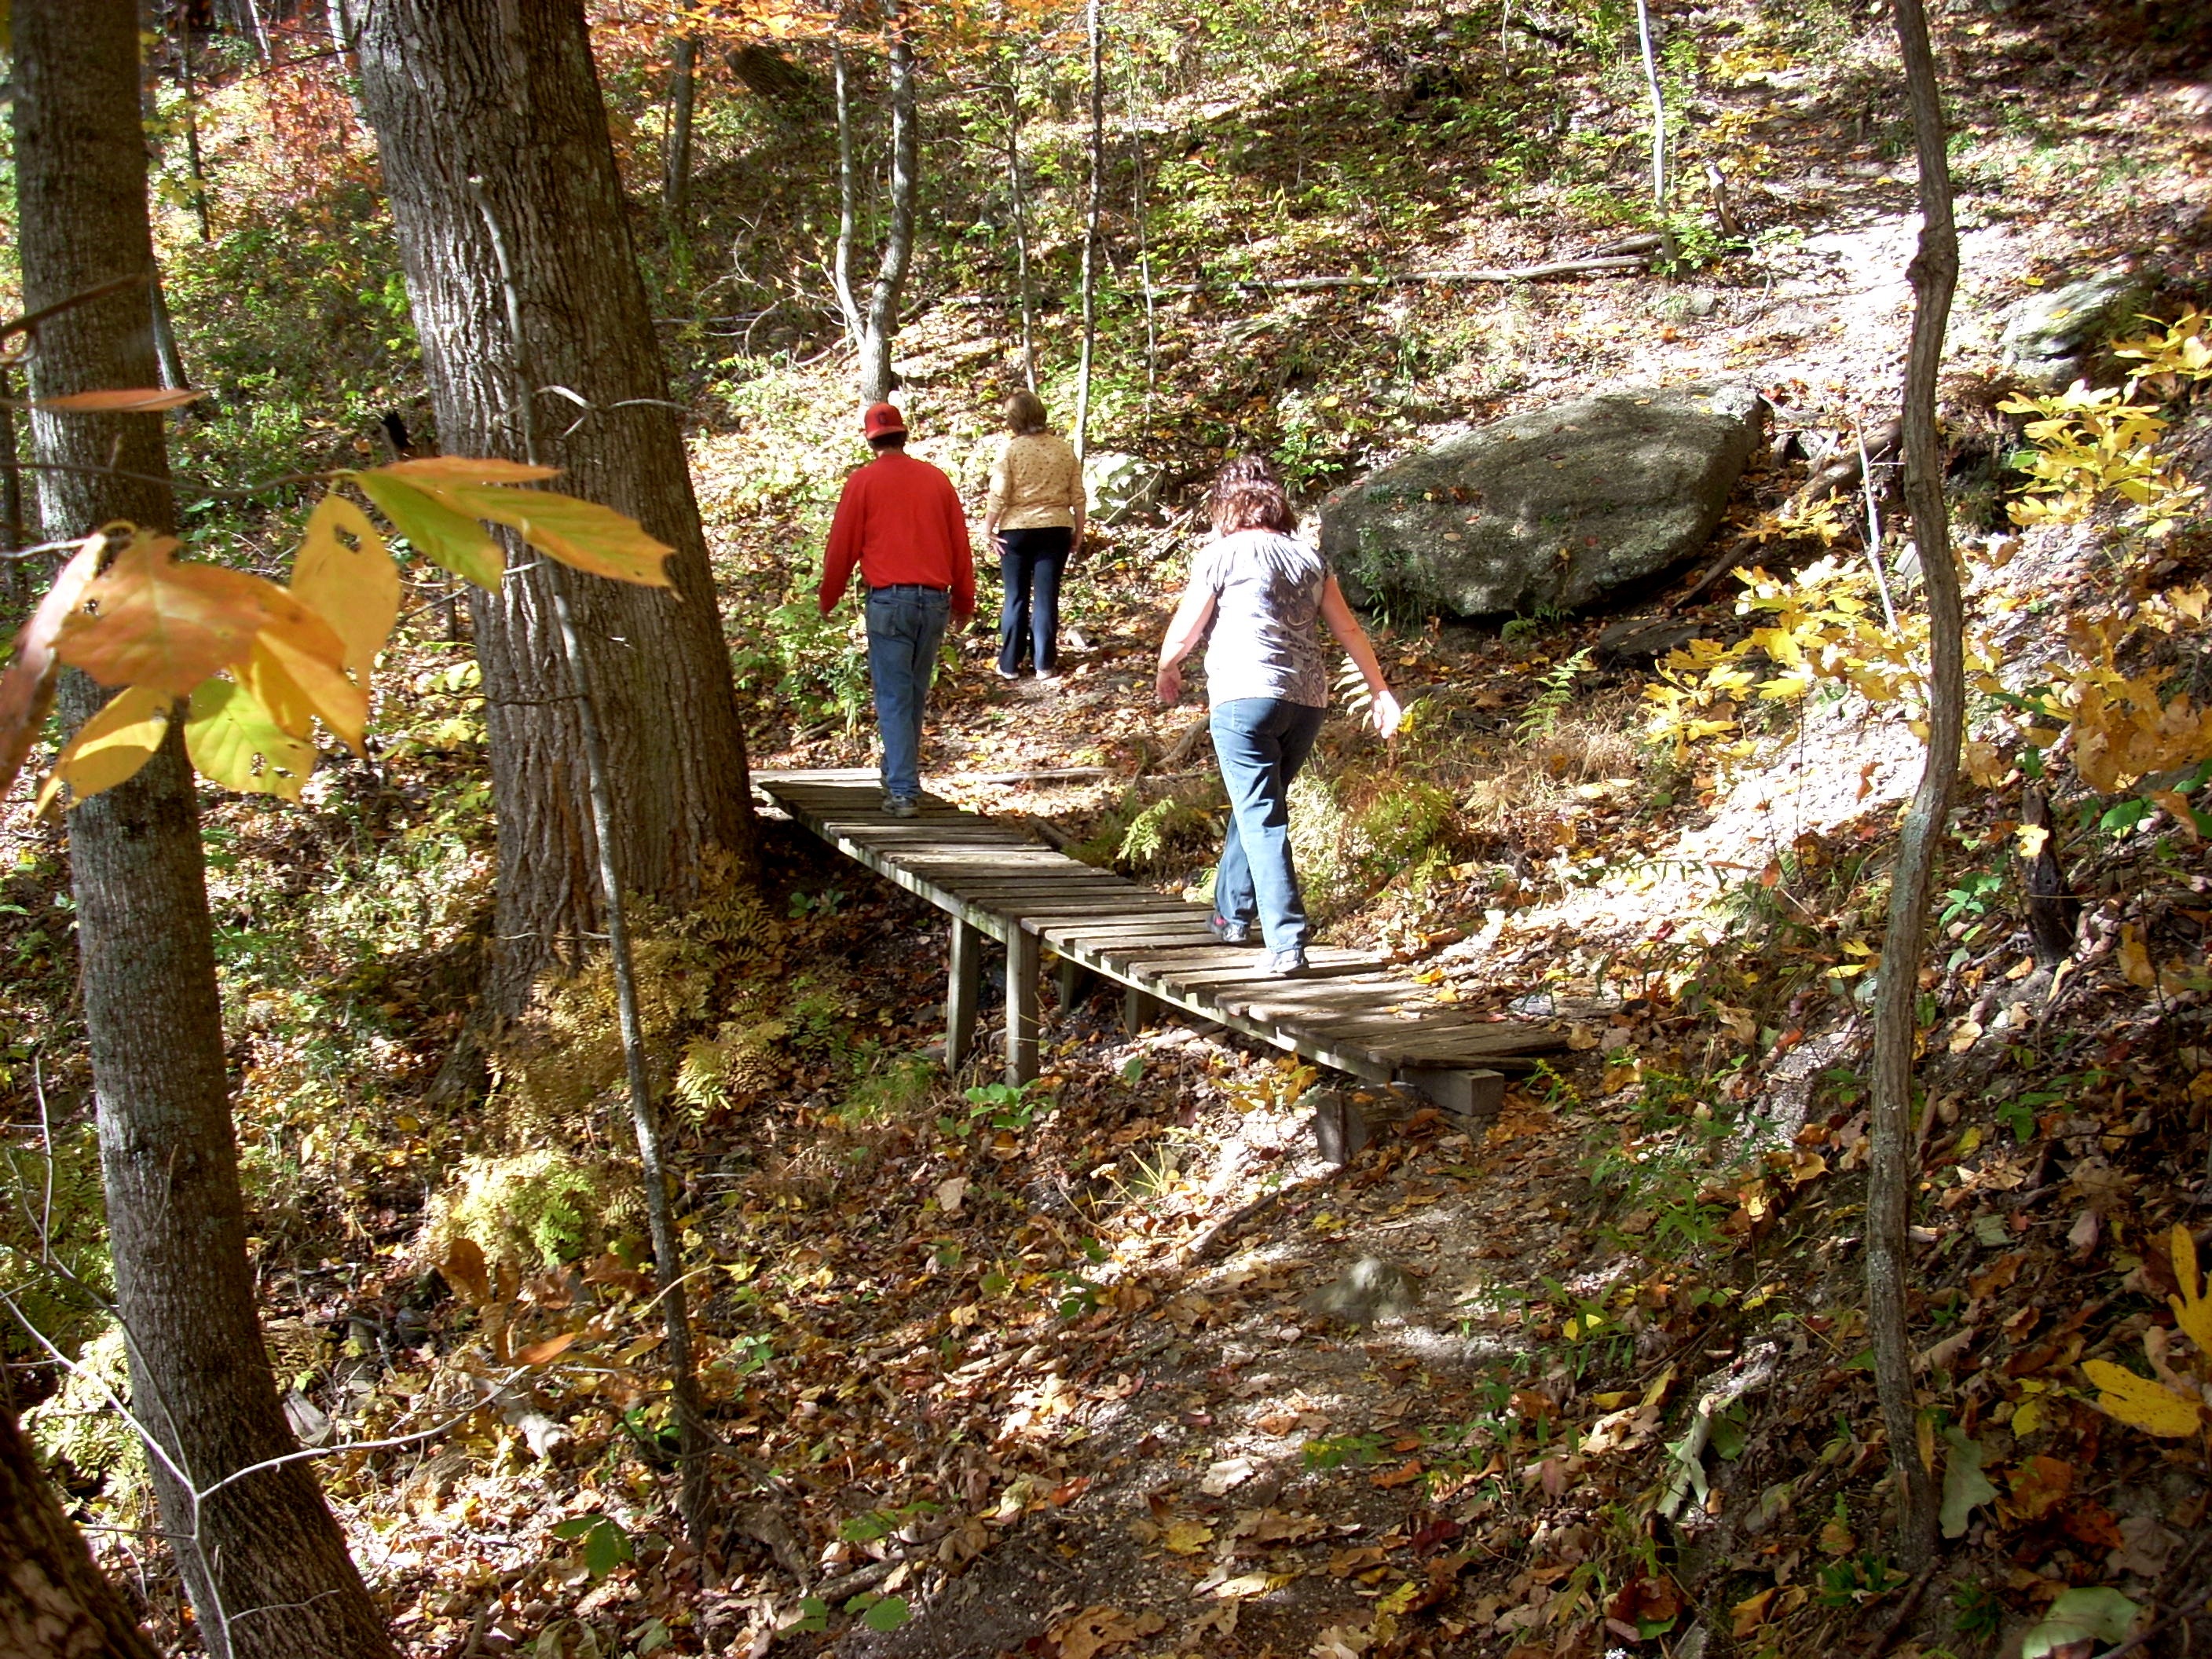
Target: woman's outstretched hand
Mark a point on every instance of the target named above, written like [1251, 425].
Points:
[1171, 683]
[1386, 714]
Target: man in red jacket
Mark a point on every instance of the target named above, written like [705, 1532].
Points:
[900, 520]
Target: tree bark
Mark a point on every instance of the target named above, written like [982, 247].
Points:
[504, 91]
[1021, 210]
[676, 170]
[1095, 26]
[1892, 1176]
[265, 1565]
[883, 317]
[11, 493]
[54, 1602]
[1658, 127]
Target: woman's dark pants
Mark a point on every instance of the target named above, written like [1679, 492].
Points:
[1030, 567]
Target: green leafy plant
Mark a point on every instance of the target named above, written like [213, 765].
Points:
[602, 1543]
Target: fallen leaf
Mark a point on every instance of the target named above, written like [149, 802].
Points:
[2039, 1485]
[1229, 1471]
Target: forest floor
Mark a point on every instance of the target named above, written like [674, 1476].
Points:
[1119, 1364]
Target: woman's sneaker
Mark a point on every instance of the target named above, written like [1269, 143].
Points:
[1230, 933]
[901, 806]
[1288, 964]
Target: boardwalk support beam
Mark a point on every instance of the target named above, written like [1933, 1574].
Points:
[964, 986]
[1022, 970]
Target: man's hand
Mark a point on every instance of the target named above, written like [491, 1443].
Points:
[827, 605]
[962, 618]
[1171, 683]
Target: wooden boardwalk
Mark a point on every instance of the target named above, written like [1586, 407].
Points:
[1352, 1012]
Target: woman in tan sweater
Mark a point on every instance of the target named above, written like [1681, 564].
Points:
[1036, 516]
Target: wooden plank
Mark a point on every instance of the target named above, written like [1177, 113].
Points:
[1496, 1040]
[1141, 924]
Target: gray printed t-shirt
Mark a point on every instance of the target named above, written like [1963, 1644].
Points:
[1265, 641]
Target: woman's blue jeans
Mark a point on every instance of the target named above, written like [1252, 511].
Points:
[1262, 743]
[1030, 566]
[906, 625]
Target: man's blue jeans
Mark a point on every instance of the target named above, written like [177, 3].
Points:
[1261, 743]
[906, 625]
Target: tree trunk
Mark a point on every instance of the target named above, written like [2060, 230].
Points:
[176, 1223]
[1021, 210]
[1658, 129]
[11, 493]
[1095, 24]
[504, 91]
[54, 1602]
[166, 354]
[1892, 1176]
[182, 21]
[848, 194]
[676, 170]
[881, 322]
[1143, 241]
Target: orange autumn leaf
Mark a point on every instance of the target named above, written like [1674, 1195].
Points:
[150, 621]
[26, 689]
[537, 1353]
[127, 400]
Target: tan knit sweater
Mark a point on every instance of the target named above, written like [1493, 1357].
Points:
[1035, 483]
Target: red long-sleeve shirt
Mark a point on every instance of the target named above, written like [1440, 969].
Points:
[900, 520]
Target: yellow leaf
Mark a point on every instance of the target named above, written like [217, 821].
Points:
[2142, 1403]
[580, 533]
[441, 472]
[353, 588]
[2135, 960]
[2191, 1309]
[296, 670]
[2031, 838]
[111, 746]
[584, 534]
[1188, 1537]
[1748, 1614]
[234, 740]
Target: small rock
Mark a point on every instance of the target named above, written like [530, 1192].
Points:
[2046, 336]
[1369, 1288]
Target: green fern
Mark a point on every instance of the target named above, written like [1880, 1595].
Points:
[1559, 691]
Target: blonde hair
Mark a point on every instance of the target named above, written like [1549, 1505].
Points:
[1025, 413]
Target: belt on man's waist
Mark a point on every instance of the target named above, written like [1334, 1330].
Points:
[908, 587]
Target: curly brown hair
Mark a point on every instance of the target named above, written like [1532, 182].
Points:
[1247, 495]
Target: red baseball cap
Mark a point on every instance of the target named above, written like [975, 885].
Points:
[882, 418]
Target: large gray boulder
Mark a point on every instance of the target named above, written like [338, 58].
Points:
[1546, 511]
[2047, 337]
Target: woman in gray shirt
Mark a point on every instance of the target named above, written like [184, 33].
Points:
[1261, 594]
